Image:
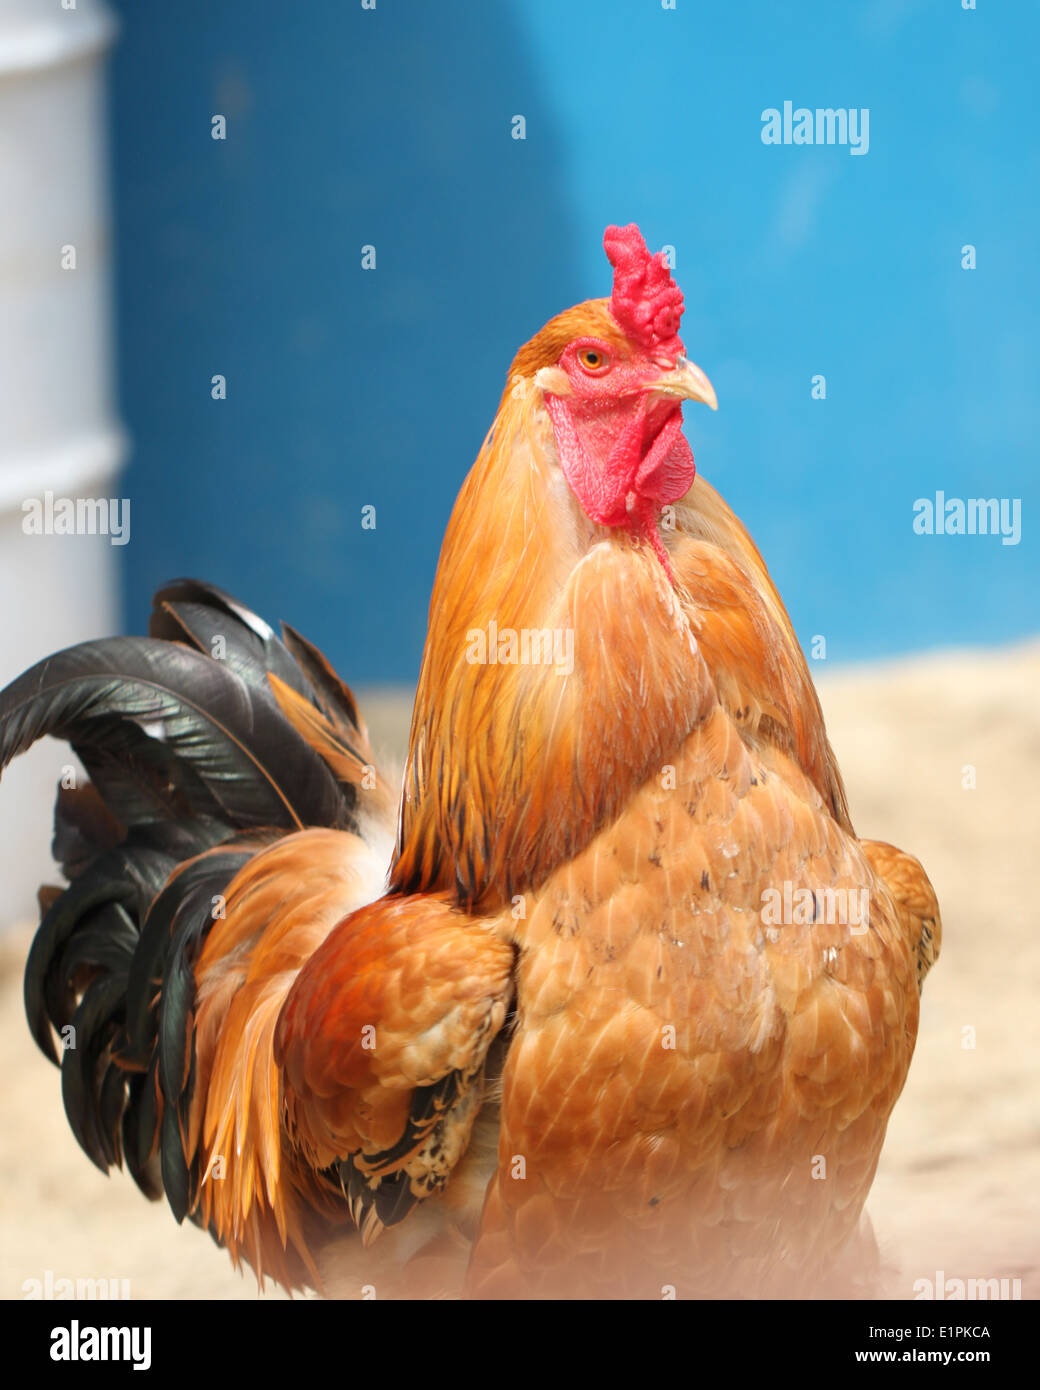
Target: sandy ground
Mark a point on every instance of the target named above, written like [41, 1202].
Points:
[957, 1189]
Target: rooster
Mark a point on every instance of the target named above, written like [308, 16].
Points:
[534, 1028]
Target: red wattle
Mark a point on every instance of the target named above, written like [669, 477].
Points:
[630, 471]
[601, 488]
[667, 471]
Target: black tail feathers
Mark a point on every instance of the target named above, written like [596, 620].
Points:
[192, 767]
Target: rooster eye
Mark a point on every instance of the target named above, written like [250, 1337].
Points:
[591, 359]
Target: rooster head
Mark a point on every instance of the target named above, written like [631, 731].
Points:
[613, 375]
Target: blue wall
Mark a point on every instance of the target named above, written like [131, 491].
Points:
[392, 127]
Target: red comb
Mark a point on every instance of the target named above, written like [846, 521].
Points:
[646, 302]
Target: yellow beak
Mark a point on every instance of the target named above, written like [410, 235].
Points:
[688, 382]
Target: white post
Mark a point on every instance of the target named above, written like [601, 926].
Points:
[58, 429]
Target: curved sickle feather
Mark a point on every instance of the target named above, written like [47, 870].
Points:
[230, 735]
